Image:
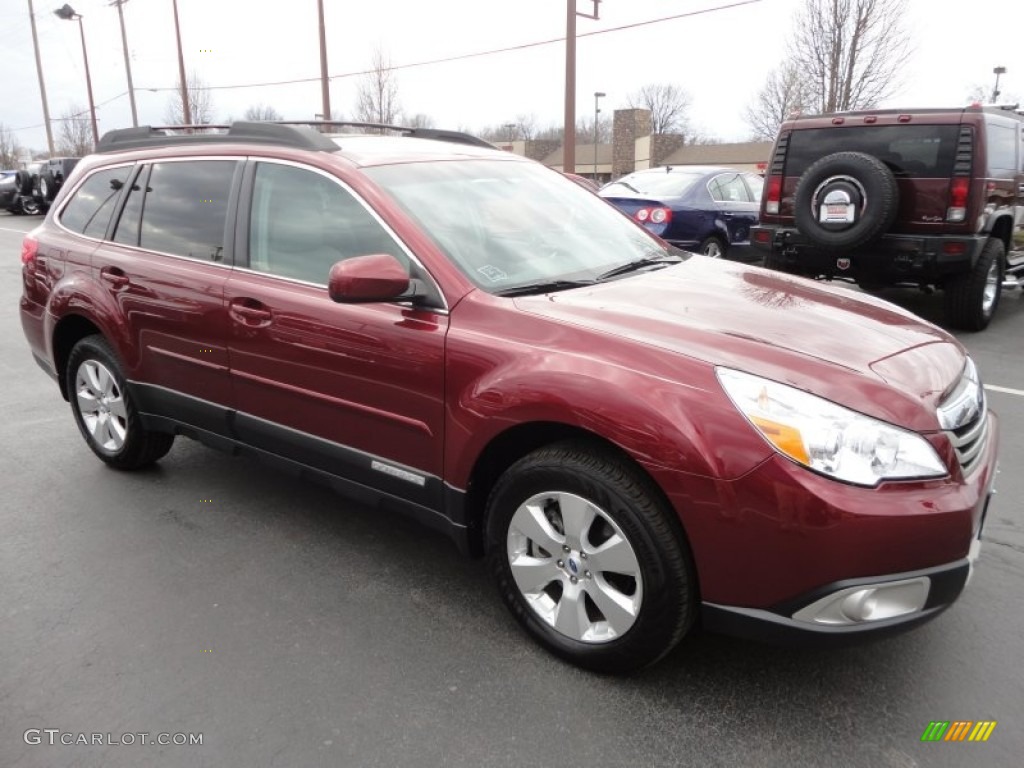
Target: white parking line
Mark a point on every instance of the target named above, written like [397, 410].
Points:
[1005, 390]
[19, 231]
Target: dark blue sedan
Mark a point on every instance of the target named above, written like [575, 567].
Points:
[698, 208]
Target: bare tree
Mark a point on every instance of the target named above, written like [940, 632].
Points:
[377, 97]
[74, 136]
[262, 113]
[420, 120]
[199, 101]
[585, 129]
[849, 52]
[9, 148]
[668, 104]
[784, 92]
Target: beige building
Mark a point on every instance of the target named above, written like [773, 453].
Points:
[635, 148]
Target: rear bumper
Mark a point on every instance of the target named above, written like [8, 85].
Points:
[891, 259]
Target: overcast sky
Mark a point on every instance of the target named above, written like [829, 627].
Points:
[720, 57]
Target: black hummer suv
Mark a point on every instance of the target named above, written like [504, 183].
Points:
[929, 197]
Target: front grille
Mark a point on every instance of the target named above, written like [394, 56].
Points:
[969, 440]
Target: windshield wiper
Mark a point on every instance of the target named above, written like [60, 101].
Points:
[633, 266]
[543, 286]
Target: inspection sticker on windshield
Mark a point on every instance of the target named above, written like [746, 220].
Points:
[492, 273]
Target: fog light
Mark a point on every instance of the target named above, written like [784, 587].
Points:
[867, 603]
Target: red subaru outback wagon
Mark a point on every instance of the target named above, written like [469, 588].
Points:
[638, 439]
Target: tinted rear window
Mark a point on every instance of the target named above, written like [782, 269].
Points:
[910, 151]
[88, 211]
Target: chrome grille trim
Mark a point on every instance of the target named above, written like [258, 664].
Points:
[967, 400]
[969, 441]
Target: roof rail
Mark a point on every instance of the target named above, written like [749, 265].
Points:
[244, 132]
[289, 133]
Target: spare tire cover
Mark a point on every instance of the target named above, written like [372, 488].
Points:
[845, 200]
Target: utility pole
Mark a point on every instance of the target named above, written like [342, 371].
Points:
[186, 108]
[569, 131]
[127, 63]
[325, 83]
[42, 85]
[995, 91]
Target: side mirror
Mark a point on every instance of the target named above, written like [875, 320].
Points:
[368, 279]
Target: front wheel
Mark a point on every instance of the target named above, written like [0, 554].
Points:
[589, 559]
[104, 411]
[972, 298]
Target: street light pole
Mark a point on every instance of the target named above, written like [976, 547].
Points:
[68, 14]
[325, 84]
[995, 91]
[569, 131]
[39, 71]
[597, 111]
[127, 63]
[186, 108]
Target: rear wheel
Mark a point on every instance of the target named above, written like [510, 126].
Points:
[104, 411]
[589, 559]
[713, 247]
[972, 298]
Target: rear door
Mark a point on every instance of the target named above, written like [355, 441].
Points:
[164, 267]
[734, 204]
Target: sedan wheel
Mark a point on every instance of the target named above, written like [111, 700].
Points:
[589, 558]
[712, 247]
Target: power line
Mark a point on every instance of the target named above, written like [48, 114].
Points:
[71, 116]
[478, 54]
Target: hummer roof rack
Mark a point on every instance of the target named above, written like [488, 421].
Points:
[287, 133]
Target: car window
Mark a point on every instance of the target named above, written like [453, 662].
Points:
[89, 209]
[185, 208]
[303, 222]
[130, 223]
[756, 185]
[728, 188]
[910, 151]
[1002, 148]
[508, 224]
[661, 184]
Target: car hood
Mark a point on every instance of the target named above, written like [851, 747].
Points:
[851, 348]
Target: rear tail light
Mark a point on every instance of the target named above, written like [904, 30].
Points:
[762, 236]
[654, 215]
[29, 249]
[954, 248]
[958, 190]
[773, 193]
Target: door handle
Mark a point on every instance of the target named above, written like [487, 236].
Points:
[114, 276]
[250, 315]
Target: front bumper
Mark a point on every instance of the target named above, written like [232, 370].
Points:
[778, 625]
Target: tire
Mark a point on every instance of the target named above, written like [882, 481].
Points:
[30, 206]
[972, 298]
[47, 187]
[112, 428]
[865, 181]
[713, 247]
[23, 181]
[630, 561]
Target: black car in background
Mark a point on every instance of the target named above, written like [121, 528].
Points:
[35, 187]
[8, 188]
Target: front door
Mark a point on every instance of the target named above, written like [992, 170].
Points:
[354, 390]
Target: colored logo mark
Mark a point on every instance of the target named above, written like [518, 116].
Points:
[958, 730]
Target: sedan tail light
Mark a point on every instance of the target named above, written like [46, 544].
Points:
[654, 215]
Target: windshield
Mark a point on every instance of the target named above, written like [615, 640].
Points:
[660, 184]
[509, 224]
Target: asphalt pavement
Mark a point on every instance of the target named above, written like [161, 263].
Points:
[285, 626]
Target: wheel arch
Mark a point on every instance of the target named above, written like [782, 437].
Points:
[1001, 227]
[507, 447]
[69, 330]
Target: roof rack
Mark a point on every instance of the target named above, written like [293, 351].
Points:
[288, 133]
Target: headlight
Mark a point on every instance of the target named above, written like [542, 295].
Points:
[828, 438]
